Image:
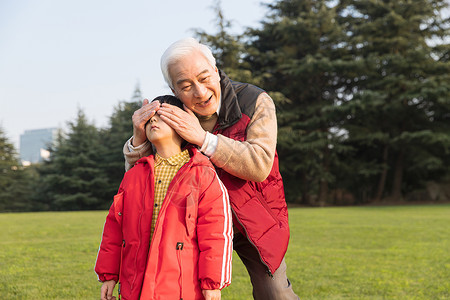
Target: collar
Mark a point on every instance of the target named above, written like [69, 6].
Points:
[220, 104]
[230, 112]
[174, 160]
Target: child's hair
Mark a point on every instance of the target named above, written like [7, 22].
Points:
[172, 100]
[169, 99]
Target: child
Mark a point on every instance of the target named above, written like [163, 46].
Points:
[168, 234]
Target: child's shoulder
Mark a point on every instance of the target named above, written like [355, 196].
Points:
[199, 159]
[140, 168]
[202, 166]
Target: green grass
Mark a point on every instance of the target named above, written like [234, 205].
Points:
[397, 252]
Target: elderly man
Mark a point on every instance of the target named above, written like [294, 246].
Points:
[235, 125]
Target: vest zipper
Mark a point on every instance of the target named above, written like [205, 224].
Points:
[260, 198]
[251, 242]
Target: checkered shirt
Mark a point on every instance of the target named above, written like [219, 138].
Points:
[165, 170]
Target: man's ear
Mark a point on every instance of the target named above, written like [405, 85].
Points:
[217, 72]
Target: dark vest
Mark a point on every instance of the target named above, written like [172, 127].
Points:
[259, 208]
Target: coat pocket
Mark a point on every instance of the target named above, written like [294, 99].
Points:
[118, 207]
[191, 214]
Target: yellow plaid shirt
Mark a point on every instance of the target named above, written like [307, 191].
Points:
[165, 170]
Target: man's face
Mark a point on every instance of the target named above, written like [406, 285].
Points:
[196, 83]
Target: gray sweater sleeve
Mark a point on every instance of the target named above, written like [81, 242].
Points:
[131, 157]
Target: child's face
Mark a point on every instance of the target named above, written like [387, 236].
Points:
[157, 130]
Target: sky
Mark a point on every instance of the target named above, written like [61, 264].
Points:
[60, 56]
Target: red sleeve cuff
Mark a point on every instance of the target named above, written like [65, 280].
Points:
[207, 284]
[108, 277]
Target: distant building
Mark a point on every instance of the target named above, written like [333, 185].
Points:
[34, 144]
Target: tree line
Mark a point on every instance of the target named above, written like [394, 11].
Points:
[362, 90]
[83, 172]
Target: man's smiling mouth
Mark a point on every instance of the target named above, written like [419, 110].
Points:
[205, 103]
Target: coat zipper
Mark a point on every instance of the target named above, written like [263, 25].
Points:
[179, 247]
[188, 164]
[165, 203]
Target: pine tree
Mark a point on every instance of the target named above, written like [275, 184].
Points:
[298, 57]
[16, 182]
[72, 178]
[8, 161]
[228, 49]
[398, 117]
[119, 130]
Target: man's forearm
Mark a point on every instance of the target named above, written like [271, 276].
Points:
[252, 159]
[133, 154]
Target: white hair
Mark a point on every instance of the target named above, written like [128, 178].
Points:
[181, 49]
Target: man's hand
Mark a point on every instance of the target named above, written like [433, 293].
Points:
[185, 123]
[107, 290]
[211, 294]
[140, 118]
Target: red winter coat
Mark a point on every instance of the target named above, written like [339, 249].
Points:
[191, 246]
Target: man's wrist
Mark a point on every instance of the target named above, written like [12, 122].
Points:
[132, 148]
[209, 144]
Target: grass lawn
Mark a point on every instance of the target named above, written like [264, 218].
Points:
[391, 252]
